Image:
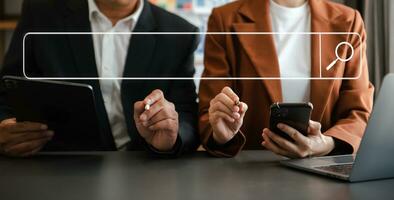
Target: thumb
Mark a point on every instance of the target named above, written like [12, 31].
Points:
[139, 108]
[314, 128]
[243, 107]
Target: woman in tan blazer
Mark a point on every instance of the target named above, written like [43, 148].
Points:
[234, 114]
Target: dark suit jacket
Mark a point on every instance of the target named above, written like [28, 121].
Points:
[73, 56]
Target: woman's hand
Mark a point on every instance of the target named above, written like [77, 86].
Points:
[314, 144]
[226, 115]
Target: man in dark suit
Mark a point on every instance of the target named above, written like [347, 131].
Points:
[168, 127]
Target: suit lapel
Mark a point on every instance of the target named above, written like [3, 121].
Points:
[141, 46]
[140, 50]
[77, 20]
[260, 48]
[324, 20]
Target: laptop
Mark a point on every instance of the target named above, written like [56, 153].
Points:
[374, 158]
[69, 109]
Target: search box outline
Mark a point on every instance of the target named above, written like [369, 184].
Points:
[199, 78]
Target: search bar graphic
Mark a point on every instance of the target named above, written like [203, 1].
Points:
[331, 53]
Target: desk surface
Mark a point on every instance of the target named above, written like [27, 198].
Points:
[135, 175]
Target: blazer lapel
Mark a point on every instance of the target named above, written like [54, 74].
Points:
[77, 20]
[141, 46]
[323, 53]
[260, 48]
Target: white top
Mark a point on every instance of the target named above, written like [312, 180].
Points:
[110, 53]
[293, 50]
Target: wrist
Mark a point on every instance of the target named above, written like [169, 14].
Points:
[223, 139]
[164, 144]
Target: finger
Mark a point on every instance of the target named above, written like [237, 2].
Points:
[219, 106]
[165, 113]
[227, 101]
[282, 143]
[314, 127]
[138, 109]
[153, 110]
[22, 148]
[270, 145]
[293, 133]
[22, 127]
[20, 138]
[243, 107]
[230, 93]
[217, 115]
[167, 124]
[153, 97]
[9, 121]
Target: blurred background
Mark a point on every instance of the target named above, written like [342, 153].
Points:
[378, 16]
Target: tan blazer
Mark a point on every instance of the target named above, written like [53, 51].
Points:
[341, 106]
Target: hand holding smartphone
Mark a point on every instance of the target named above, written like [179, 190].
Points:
[296, 115]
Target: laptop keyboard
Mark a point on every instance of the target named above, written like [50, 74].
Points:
[339, 169]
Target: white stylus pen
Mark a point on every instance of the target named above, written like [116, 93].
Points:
[147, 105]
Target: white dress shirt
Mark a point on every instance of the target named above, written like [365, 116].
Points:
[293, 50]
[110, 54]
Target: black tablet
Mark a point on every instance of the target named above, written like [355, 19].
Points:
[67, 108]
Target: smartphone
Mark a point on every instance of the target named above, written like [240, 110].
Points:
[296, 115]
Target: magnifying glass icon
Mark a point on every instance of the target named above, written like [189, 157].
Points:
[338, 57]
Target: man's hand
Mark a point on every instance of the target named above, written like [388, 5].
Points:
[158, 123]
[22, 139]
[226, 115]
[315, 144]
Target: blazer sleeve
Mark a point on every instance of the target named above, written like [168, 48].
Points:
[183, 94]
[12, 64]
[216, 64]
[355, 100]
